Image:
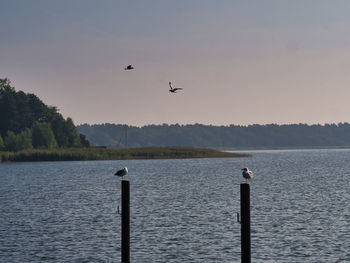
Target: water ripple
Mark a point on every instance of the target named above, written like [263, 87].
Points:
[181, 210]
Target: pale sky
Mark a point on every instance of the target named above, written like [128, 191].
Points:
[239, 62]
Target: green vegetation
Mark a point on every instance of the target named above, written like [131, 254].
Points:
[27, 123]
[197, 135]
[92, 153]
[2, 146]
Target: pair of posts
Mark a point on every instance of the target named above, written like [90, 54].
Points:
[245, 222]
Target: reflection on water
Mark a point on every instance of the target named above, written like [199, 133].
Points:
[181, 210]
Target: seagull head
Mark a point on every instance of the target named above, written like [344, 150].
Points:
[245, 169]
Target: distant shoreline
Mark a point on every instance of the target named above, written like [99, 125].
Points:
[265, 148]
[93, 154]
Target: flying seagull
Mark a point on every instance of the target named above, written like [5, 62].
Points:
[122, 172]
[247, 174]
[173, 90]
[129, 67]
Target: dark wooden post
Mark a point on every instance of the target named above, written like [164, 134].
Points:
[245, 223]
[125, 221]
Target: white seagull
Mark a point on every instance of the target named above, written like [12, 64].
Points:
[247, 174]
[172, 89]
[122, 172]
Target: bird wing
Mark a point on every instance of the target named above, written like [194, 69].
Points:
[171, 87]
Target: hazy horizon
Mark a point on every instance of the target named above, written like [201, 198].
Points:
[239, 62]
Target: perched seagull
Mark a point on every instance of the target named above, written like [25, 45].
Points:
[173, 90]
[122, 172]
[129, 67]
[247, 174]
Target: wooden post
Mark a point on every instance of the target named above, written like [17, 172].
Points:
[125, 248]
[245, 223]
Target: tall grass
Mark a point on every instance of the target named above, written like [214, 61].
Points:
[84, 154]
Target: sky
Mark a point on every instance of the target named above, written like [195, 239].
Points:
[238, 62]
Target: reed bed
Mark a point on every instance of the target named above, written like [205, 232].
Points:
[85, 154]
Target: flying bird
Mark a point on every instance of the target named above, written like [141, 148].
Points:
[122, 172]
[247, 174]
[129, 67]
[172, 89]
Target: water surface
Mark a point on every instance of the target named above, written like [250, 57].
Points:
[181, 210]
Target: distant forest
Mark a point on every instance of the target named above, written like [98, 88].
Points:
[233, 136]
[27, 123]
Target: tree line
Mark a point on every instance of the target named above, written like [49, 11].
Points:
[231, 136]
[27, 123]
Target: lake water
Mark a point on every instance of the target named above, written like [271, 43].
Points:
[181, 210]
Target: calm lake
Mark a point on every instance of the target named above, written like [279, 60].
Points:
[181, 210]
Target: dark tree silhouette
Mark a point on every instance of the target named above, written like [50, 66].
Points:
[27, 122]
[198, 135]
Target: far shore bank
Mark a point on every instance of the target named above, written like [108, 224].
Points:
[279, 148]
[93, 153]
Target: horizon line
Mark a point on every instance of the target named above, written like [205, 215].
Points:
[217, 125]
